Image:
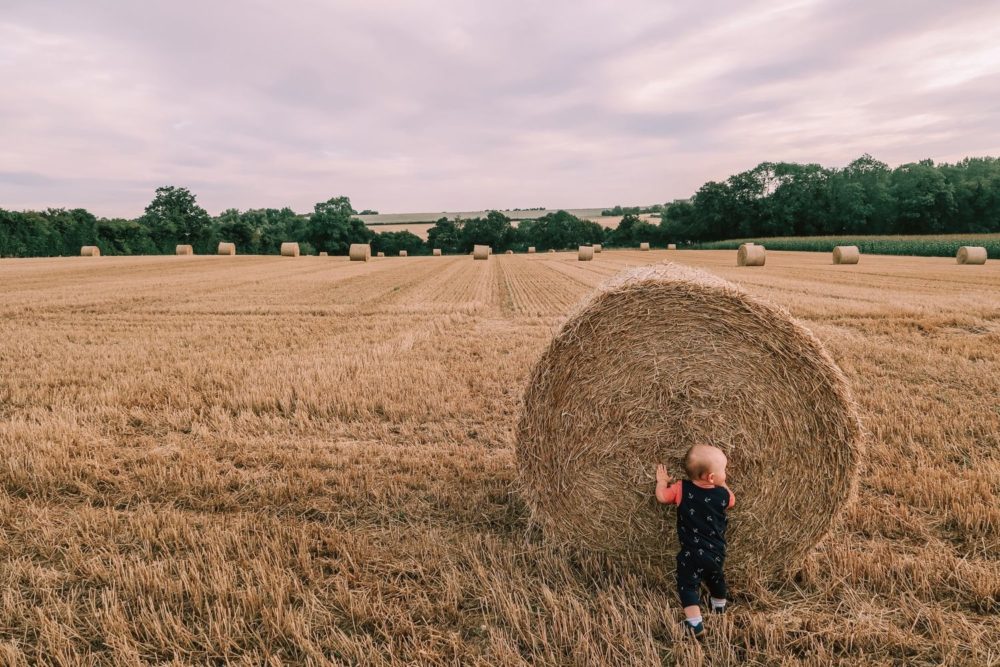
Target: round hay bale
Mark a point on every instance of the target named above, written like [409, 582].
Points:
[289, 249]
[509, 252]
[361, 252]
[751, 255]
[644, 246]
[531, 250]
[184, 250]
[437, 252]
[596, 247]
[846, 254]
[324, 254]
[671, 246]
[381, 254]
[227, 248]
[585, 253]
[90, 251]
[552, 249]
[480, 252]
[971, 254]
[676, 356]
[403, 253]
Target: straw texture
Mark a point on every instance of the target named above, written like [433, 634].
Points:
[289, 249]
[971, 254]
[480, 252]
[227, 248]
[665, 356]
[751, 255]
[361, 252]
[184, 250]
[90, 251]
[585, 253]
[846, 254]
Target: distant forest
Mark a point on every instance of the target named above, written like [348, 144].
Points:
[772, 199]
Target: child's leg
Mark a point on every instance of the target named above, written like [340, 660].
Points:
[688, 585]
[715, 579]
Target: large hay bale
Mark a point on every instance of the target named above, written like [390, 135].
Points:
[596, 247]
[531, 250]
[403, 253]
[227, 248]
[437, 252]
[480, 252]
[90, 251]
[846, 254]
[585, 253]
[184, 250]
[751, 255]
[665, 356]
[671, 246]
[289, 249]
[361, 252]
[644, 246]
[971, 254]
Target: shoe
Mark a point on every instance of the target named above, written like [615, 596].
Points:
[696, 631]
[719, 610]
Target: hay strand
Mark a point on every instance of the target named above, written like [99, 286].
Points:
[585, 253]
[971, 254]
[361, 252]
[667, 350]
[751, 255]
[289, 249]
[480, 252]
[846, 254]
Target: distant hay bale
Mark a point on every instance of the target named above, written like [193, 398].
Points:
[751, 255]
[552, 249]
[596, 247]
[971, 254]
[675, 356]
[489, 250]
[184, 250]
[585, 253]
[289, 249]
[644, 246]
[437, 252]
[227, 248]
[324, 254]
[671, 246]
[90, 251]
[381, 254]
[361, 252]
[480, 252]
[846, 254]
[403, 253]
[509, 252]
[531, 250]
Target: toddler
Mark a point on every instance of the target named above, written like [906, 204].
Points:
[702, 501]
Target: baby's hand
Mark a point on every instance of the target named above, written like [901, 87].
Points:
[662, 476]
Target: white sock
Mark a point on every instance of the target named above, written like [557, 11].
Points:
[716, 602]
[695, 621]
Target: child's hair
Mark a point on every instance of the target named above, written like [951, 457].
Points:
[696, 466]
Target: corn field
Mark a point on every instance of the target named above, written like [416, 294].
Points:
[945, 245]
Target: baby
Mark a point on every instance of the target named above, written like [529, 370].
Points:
[702, 501]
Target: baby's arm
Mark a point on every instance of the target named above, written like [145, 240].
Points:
[668, 491]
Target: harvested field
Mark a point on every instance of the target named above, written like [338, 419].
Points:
[253, 460]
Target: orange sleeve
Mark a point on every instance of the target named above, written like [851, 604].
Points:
[732, 498]
[673, 494]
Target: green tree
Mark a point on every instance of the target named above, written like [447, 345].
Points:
[174, 217]
[446, 235]
[332, 228]
[392, 242]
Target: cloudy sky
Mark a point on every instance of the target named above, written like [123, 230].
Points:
[465, 104]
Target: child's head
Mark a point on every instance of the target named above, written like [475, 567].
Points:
[705, 463]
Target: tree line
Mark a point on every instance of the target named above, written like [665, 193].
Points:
[772, 199]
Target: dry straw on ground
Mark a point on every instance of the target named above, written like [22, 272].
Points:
[968, 254]
[437, 252]
[90, 251]
[361, 252]
[480, 252]
[585, 253]
[750, 254]
[227, 248]
[184, 250]
[644, 246]
[290, 250]
[661, 358]
[846, 254]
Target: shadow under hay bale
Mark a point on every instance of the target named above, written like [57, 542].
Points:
[666, 356]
